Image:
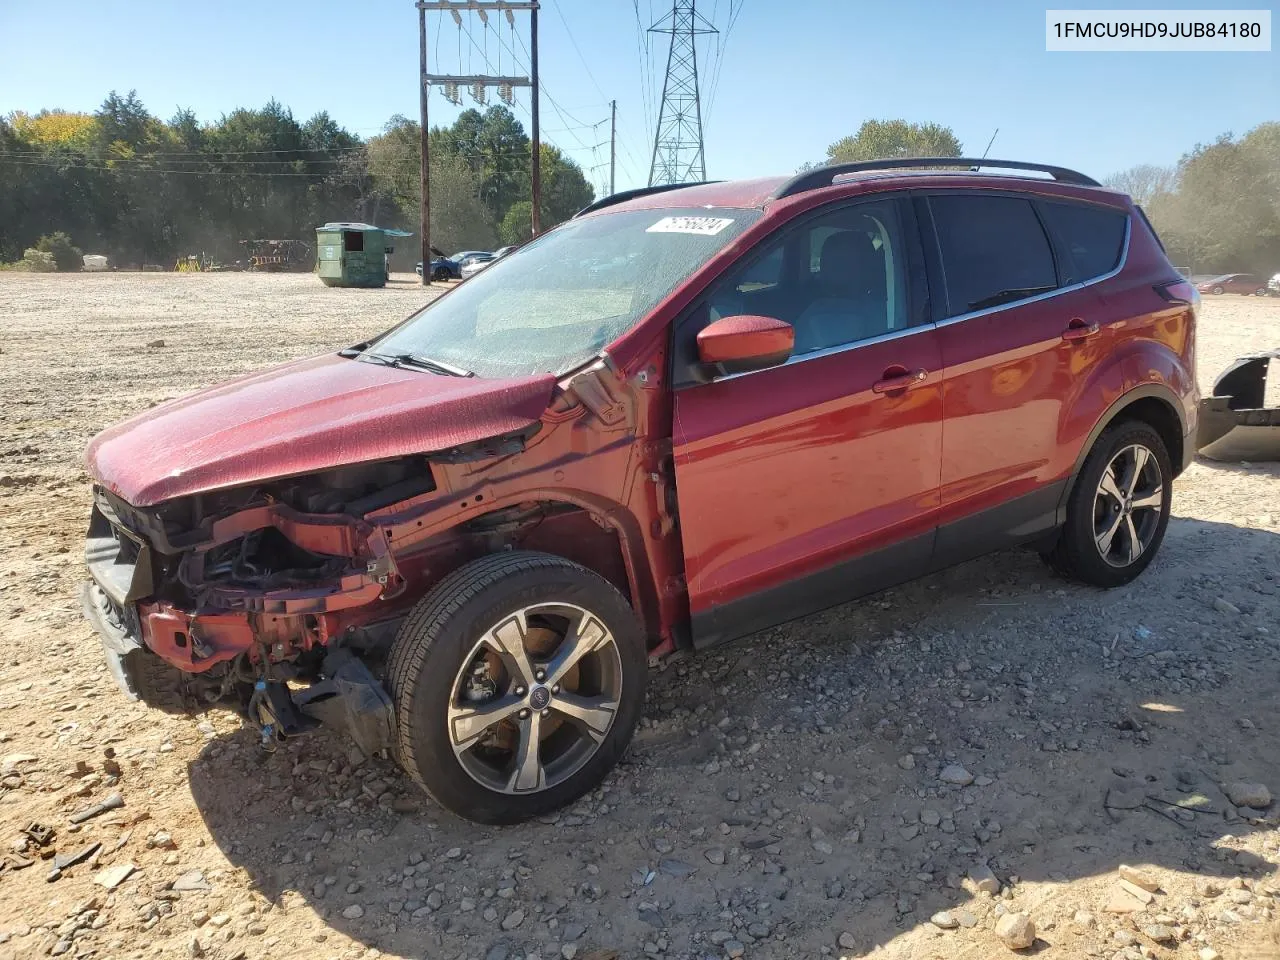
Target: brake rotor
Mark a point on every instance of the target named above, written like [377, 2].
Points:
[539, 643]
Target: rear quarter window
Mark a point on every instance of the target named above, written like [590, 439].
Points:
[1092, 236]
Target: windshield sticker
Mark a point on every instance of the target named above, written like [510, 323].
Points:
[702, 226]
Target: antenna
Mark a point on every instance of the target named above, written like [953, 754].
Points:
[989, 143]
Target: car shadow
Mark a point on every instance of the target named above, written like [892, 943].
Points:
[792, 787]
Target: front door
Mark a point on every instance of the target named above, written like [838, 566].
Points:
[806, 484]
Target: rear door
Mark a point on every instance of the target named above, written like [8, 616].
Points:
[805, 484]
[1022, 332]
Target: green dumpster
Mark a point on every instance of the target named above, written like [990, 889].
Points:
[354, 254]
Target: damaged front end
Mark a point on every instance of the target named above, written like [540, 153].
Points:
[259, 598]
[1235, 423]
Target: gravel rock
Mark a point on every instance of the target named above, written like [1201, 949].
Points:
[944, 920]
[1254, 795]
[1016, 931]
[847, 941]
[353, 912]
[956, 775]
[1139, 879]
[984, 879]
[513, 920]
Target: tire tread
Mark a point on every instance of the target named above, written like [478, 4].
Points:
[422, 627]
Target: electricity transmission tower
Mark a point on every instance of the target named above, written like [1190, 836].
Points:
[678, 152]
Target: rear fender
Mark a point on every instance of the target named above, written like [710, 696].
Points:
[1143, 395]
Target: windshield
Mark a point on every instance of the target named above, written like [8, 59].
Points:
[558, 301]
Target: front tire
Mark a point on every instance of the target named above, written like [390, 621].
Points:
[1218, 291]
[518, 681]
[440, 274]
[1118, 510]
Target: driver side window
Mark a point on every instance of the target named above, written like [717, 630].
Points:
[837, 279]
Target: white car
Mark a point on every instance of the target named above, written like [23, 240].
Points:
[476, 264]
[480, 261]
[1273, 285]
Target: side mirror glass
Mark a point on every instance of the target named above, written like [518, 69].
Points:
[741, 343]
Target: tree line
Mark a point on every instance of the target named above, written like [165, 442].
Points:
[121, 182]
[1217, 210]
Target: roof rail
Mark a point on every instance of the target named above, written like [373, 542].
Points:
[622, 196]
[825, 176]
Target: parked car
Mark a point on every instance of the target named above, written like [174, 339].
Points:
[1273, 286]
[463, 539]
[1246, 283]
[476, 263]
[442, 267]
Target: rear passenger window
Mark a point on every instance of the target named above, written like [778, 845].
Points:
[1093, 235]
[994, 251]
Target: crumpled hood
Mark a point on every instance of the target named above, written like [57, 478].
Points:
[302, 417]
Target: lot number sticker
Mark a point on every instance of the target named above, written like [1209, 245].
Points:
[702, 226]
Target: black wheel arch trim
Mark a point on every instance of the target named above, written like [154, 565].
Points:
[1156, 391]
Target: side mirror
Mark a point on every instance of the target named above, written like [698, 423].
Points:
[742, 343]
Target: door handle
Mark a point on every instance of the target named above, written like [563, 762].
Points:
[1078, 330]
[898, 380]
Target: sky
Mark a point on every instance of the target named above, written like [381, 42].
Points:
[790, 78]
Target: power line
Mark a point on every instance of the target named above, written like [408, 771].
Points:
[577, 49]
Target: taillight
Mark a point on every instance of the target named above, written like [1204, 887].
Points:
[1179, 291]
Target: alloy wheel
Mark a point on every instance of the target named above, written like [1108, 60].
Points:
[535, 698]
[1127, 505]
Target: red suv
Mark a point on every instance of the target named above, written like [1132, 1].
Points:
[688, 414]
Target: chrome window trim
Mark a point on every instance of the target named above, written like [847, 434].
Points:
[832, 351]
[1124, 258]
[907, 331]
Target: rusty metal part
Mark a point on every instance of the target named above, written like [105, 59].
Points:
[1235, 423]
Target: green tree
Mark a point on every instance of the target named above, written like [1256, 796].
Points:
[884, 139]
[66, 255]
[517, 225]
[1225, 213]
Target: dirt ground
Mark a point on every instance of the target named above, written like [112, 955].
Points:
[792, 795]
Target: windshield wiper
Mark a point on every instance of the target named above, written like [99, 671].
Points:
[422, 363]
[1008, 296]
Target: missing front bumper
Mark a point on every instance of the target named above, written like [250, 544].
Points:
[1235, 423]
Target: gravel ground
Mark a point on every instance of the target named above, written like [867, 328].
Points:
[952, 769]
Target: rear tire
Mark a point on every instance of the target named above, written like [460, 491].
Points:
[517, 681]
[1118, 510]
[1218, 291]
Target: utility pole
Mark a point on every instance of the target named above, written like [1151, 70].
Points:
[454, 81]
[679, 155]
[613, 146]
[424, 207]
[537, 139]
